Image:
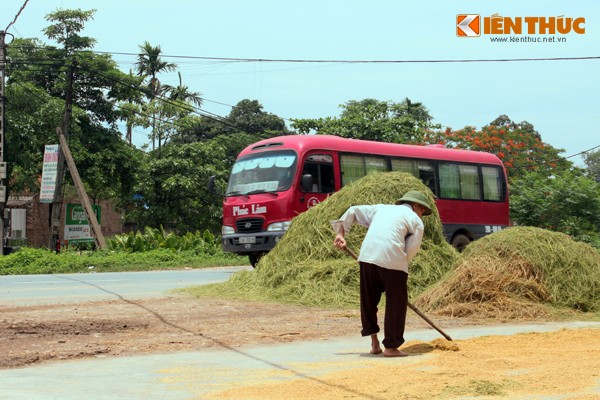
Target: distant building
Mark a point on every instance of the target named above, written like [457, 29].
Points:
[28, 220]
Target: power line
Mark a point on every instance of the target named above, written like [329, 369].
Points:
[297, 60]
[583, 152]
[218, 118]
[186, 107]
[17, 16]
[355, 61]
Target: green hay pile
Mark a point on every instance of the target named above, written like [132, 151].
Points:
[306, 268]
[519, 273]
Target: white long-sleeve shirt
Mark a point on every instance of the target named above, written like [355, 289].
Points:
[394, 235]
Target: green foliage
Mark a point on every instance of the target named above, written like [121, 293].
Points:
[152, 239]
[36, 108]
[566, 202]
[66, 28]
[41, 261]
[247, 120]
[173, 191]
[519, 146]
[592, 161]
[370, 119]
[31, 118]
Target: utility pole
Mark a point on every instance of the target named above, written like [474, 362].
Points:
[85, 201]
[3, 167]
[56, 206]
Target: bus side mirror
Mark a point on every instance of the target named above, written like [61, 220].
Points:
[307, 183]
[211, 184]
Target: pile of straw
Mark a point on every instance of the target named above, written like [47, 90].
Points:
[518, 273]
[306, 268]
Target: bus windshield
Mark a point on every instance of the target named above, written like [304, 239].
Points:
[264, 172]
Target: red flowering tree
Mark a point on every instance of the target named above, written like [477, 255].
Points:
[519, 146]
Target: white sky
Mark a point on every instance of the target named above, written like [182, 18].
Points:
[560, 98]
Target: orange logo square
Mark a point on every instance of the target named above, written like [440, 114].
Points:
[468, 25]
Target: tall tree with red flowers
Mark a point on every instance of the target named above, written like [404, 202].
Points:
[519, 146]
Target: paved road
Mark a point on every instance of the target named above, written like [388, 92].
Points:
[186, 375]
[71, 288]
[198, 374]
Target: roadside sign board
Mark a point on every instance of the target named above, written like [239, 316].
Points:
[77, 226]
[49, 173]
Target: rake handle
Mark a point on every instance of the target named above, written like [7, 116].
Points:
[410, 305]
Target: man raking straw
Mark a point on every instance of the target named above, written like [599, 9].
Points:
[394, 237]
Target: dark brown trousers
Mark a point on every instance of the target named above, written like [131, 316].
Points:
[374, 281]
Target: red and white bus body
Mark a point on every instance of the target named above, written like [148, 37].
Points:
[266, 188]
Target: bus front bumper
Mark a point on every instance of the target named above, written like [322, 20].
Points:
[246, 244]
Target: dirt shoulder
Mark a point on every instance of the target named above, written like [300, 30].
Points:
[36, 334]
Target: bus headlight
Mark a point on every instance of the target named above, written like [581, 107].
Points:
[227, 230]
[279, 226]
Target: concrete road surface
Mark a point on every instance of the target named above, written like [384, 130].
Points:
[194, 375]
[18, 290]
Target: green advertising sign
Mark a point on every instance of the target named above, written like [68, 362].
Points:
[77, 226]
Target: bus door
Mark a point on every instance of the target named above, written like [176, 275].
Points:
[317, 180]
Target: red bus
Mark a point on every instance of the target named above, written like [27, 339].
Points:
[276, 179]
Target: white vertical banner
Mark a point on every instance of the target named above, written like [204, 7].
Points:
[49, 173]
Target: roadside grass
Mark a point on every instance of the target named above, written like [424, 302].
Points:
[41, 261]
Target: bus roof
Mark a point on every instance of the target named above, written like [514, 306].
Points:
[304, 143]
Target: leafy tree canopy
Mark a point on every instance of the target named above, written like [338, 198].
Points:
[519, 146]
[172, 188]
[592, 161]
[36, 89]
[567, 202]
[67, 24]
[370, 119]
[247, 117]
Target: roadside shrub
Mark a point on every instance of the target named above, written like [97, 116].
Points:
[153, 239]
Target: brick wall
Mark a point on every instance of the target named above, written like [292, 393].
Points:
[37, 218]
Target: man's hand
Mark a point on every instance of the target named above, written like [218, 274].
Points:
[339, 241]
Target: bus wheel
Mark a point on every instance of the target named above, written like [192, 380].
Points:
[460, 241]
[254, 259]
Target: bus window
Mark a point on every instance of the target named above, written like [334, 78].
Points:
[469, 182]
[320, 167]
[449, 181]
[262, 172]
[407, 166]
[375, 164]
[492, 183]
[353, 168]
[426, 174]
[459, 181]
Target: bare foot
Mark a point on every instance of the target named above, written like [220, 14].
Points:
[394, 353]
[375, 347]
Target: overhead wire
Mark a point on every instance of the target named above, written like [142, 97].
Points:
[358, 61]
[213, 116]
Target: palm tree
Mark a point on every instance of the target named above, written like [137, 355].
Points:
[182, 93]
[149, 65]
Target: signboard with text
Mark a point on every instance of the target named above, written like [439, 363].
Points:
[77, 226]
[49, 173]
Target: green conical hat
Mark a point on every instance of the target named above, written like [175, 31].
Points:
[414, 196]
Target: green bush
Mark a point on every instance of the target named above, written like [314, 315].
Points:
[568, 202]
[153, 239]
[41, 261]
